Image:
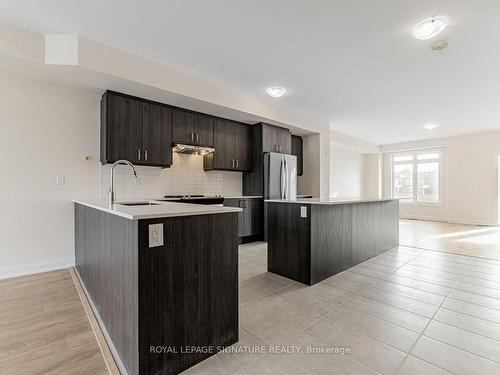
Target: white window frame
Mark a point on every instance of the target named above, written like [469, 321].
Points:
[415, 163]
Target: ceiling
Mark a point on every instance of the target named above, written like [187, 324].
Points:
[353, 63]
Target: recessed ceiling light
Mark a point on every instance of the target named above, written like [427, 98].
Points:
[430, 126]
[276, 92]
[430, 27]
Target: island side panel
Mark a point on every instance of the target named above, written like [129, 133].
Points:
[331, 240]
[345, 235]
[375, 229]
[188, 290]
[106, 262]
[288, 243]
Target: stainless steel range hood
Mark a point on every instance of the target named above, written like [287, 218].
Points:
[192, 150]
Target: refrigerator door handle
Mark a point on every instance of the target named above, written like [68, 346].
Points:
[282, 179]
[286, 178]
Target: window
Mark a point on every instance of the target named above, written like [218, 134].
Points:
[416, 176]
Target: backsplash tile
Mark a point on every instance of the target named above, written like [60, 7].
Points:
[186, 176]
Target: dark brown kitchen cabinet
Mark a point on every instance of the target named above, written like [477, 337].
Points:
[135, 130]
[250, 219]
[233, 147]
[193, 128]
[276, 139]
[156, 135]
[297, 150]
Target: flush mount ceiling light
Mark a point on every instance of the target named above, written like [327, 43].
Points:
[430, 126]
[430, 28]
[276, 92]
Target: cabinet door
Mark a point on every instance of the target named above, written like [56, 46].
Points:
[157, 135]
[223, 144]
[256, 216]
[297, 150]
[269, 138]
[284, 140]
[243, 147]
[203, 130]
[235, 202]
[124, 129]
[183, 126]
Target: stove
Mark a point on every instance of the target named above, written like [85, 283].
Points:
[196, 199]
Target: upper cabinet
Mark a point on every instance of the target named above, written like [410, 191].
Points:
[276, 139]
[135, 130]
[192, 128]
[297, 150]
[233, 147]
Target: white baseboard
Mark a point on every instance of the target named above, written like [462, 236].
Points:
[30, 269]
[446, 220]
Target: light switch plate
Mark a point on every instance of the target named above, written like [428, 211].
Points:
[155, 235]
[303, 211]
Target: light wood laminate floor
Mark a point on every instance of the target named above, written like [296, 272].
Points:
[44, 328]
[473, 240]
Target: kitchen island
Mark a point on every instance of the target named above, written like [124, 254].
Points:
[312, 239]
[162, 279]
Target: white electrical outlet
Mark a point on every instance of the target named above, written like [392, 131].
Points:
[155, 235]
[303, 211]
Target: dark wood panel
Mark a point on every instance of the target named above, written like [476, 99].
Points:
[204, 130]
[298, 151]
[331, 240]
[269, 138]
[256, 207]
[289, 246]
[243, 147]
[341, 236]
[188, 290]
[253, 181]
[284, 140]
[157, 135]
[237, 202]
[110, 274]
[183, 126]
[222, 158]
[124, 129]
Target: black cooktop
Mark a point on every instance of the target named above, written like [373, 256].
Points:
[196, 198]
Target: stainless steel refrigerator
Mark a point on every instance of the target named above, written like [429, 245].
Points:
[280, 176]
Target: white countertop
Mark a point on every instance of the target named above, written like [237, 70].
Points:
[331, 201]
[243, 197]
[162, 209]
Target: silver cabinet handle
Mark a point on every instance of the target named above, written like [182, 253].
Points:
[197, 137]
[191, 135]
[237, 163]
[138, 154]
[146, 155]
[232, 163]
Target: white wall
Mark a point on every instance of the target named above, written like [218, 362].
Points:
[372, 175]
[470, 179]
[45, 131]
[346, 176]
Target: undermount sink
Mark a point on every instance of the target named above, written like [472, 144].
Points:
[138, 204]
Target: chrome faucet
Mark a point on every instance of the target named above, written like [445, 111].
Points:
[111, 194]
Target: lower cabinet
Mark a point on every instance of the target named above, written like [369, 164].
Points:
[250, 222]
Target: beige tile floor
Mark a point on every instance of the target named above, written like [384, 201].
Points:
[480, 241]
[407, 311]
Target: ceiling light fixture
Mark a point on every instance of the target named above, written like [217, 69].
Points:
[276, 92]
[430, 126]
[430, 27]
